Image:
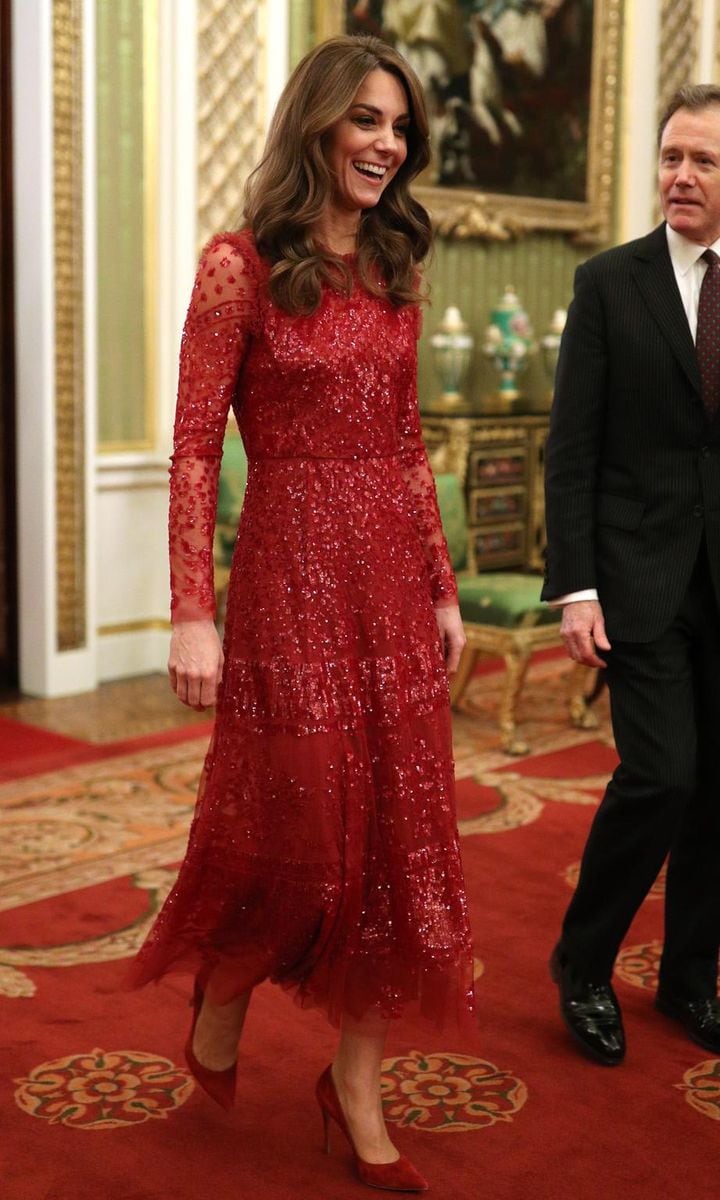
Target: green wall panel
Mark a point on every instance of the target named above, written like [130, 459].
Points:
[122, 176]
[473, 276]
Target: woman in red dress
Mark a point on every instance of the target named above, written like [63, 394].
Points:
[324, 850]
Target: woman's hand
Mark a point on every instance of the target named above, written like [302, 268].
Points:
[195, 663]
[452, 635]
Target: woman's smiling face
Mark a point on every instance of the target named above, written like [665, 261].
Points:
[368, 145]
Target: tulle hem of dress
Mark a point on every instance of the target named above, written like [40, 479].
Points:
[342, 882]
[443, 1001]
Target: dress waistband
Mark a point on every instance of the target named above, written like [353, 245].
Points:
[321, 457]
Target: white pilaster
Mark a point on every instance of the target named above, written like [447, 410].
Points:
[638, 168]
[43, 669]
[131, 488]
[277, 52]
[177, 200]
[708, 23]
[34, 342]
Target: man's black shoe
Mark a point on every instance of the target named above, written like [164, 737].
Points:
[591, 1013]
[699, 1018]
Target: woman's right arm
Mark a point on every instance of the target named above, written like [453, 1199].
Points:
[214, 340]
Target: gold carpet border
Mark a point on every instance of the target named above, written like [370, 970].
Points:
[105, 947]
[97, 821]
[522, 798]
[72, 878]
[69, 332]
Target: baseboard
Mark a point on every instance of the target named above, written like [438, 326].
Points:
[135, 652]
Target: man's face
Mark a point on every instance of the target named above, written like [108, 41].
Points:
[689, 173]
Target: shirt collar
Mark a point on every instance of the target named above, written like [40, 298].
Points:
[683, 252]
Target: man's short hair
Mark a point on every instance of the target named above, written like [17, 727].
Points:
[694, 97]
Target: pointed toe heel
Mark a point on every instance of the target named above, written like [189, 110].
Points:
[397, 1176]
[219, 1085]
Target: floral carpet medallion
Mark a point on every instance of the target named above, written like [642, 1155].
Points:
[639, 965]
[448, 1093]
[103, 1090]
[701, 1085]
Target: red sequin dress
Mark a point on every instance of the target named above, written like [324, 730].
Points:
[324, 850]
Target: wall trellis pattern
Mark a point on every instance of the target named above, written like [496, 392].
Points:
[679, 47]
[231, 70]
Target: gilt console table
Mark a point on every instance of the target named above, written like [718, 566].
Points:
[499, 460]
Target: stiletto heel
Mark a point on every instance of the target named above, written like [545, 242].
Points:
[398, 1176]
[326, 1129]
[220, 1085]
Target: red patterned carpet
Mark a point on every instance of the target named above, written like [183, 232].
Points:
[95, 1100]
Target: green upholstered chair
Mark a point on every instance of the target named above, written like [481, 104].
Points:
[503, 616]
[231, 490]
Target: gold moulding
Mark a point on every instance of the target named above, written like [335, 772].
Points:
[468, 213]
[141, 626]
[70, 530]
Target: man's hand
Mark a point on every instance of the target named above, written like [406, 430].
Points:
[583, 631]
[195, 663]
[452, 635]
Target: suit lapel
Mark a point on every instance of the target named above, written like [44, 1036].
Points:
[654, 275]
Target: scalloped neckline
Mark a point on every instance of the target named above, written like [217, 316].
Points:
[346, 257]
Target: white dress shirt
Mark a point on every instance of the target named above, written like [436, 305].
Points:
[689, 268]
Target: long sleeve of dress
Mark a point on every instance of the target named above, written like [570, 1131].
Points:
[420, 483]
[214, 339]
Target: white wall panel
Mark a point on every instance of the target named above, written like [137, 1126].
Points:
[131, 489]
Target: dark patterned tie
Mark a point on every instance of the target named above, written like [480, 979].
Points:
[707, 339]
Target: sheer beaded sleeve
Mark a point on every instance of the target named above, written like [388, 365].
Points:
[423, 497]
[216, 331]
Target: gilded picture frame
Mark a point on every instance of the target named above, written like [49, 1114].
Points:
[474, 211]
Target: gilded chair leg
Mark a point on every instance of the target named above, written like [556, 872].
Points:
[462, 676]
[516, 665]
[580, 684]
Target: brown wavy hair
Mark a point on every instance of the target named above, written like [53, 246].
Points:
[287, 192]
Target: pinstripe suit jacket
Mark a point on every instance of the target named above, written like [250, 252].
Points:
[632, 468]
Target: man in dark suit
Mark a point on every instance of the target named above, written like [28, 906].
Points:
[633, 517]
